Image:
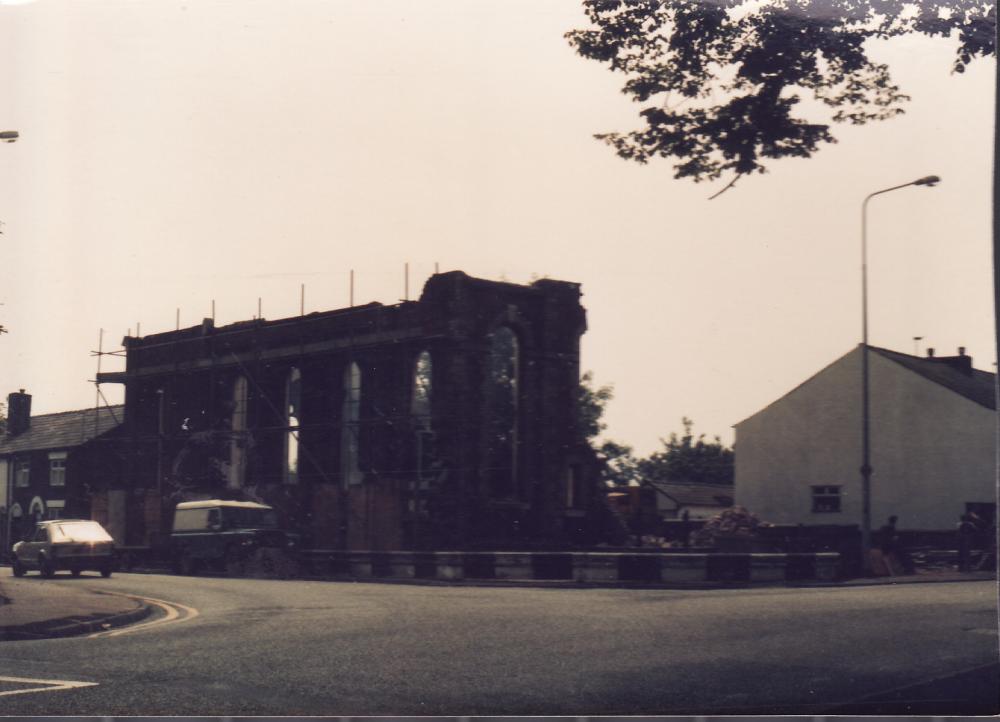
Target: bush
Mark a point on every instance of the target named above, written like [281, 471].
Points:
[736, 521]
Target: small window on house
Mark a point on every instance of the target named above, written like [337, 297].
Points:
[57, 468]
[22, 472]
[825, 499]
[293, 403]
[350, 433]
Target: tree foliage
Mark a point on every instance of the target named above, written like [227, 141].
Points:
[590, 404]
[620, 466]
[683, 459]
[721, 79]
[687, 459]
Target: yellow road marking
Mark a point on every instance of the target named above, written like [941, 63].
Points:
[173, 614]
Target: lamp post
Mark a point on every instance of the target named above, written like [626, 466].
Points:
[866, 465]
[7, 136]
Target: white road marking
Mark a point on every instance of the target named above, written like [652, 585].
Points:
[49, 685]
[173, 614]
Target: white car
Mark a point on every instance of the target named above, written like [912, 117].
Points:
[73, 544]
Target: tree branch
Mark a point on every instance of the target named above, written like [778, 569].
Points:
[728, 186]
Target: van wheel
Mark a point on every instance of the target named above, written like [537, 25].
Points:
[46, 568]
[234, 563]
[106, 571]
[18, 568]
[75, 572]
[189, 566]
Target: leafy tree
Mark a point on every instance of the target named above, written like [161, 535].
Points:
[621, 468]
[687, 459]
[619, 463]
[721, 78]
[590, 404]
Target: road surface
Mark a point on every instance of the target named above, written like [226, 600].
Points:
[226, 647]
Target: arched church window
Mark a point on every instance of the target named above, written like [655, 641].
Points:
[420, 400]
[350, 435]
[420, 412]
[293, 404]
[237, 440]
[502, 412]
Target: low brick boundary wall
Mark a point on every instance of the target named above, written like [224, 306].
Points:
[583, 567]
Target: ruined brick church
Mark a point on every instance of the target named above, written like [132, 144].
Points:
[445, 422]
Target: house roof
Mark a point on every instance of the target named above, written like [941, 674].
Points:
[973, 384]
[696, 494]
[954, 373]
[63, 430]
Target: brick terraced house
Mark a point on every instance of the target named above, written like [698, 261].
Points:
[50, 463]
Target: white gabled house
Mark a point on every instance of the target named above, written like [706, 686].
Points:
[933, 444]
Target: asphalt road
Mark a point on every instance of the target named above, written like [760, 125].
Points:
[262, 647]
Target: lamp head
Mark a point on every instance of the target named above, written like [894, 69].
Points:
[931, 180]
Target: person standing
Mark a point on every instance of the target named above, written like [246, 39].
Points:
[885, 540]
[966, 538]
[988, 561]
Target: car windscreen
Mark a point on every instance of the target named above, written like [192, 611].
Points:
[80, 531]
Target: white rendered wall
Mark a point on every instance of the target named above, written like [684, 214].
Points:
[931, 449]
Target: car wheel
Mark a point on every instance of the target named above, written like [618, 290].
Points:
[18, 568]
[46, 568]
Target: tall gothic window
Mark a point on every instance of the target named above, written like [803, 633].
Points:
[420, 402]
[293, 405]
[502, 391]
[238, 438]
[350, 433]
[420, 412]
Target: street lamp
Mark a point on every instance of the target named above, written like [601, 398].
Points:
[866, 466]
[9, 136]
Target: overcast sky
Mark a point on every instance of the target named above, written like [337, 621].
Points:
[173, 153]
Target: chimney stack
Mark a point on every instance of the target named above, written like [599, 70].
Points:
[960, 363]
[18, 412]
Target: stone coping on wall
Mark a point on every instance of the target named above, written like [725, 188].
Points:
[594, 568]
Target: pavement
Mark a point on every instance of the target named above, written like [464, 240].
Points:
[923, 576]
[32, 608]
